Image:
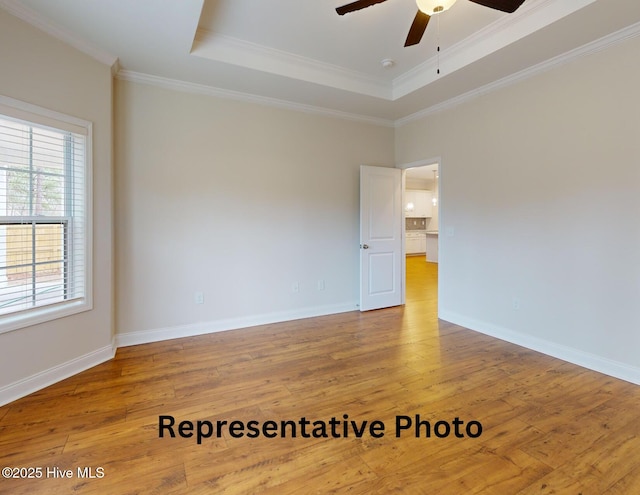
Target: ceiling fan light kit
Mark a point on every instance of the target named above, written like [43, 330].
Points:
[427, 8]
[431, 7]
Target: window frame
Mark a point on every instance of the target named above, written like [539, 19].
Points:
[40, 116]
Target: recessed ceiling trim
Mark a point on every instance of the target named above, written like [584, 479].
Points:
[603, 43]
[590, 48]
[202, 89]
[15, 8]
[234, 51]
[531, 17]
[139, 47]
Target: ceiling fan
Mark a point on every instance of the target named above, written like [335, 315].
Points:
[427, 8]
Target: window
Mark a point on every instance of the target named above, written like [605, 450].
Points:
[44, 228]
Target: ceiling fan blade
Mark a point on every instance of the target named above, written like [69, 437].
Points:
[417, 29]
[360, 4]
[508, 6]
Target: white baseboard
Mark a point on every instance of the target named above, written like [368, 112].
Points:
[36, 382]
[587, 360]
[177, 332]
[45, 378]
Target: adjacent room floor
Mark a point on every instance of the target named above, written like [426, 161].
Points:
[390, 401]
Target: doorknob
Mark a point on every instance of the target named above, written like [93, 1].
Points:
[364, 246]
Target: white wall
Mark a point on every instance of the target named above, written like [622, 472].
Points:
[38, 69]
[541, 182]
[238, 201]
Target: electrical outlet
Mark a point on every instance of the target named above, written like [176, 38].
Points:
[516, 304]
[320, 284]
[199, 297]
[295, 287]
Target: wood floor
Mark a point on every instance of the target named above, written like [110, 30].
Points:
[548, 427]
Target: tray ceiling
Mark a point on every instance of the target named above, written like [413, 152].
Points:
[304, 55]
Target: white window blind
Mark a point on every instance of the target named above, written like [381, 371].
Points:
[44, 252]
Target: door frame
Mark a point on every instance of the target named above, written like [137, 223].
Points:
[404, 166]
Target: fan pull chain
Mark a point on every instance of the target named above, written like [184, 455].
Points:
[438, 43]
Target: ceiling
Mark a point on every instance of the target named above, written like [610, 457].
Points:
[301, 54]
[425, 172]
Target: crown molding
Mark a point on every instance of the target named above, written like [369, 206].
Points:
[17, 9]
[603, 43]
[243, 53]
[529, 18]
[115, 68]
[202, 89]
[585, 50]
[532, 16]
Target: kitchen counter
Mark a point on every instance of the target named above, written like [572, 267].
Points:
[432, 246]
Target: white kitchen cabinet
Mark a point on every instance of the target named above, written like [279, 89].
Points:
[416, 243]
[410, 203]
[418, 203]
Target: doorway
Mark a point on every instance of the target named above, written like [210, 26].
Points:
[421, 211]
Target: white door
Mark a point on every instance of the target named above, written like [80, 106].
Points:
[380, 237]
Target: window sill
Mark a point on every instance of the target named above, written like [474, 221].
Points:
[36, 316]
